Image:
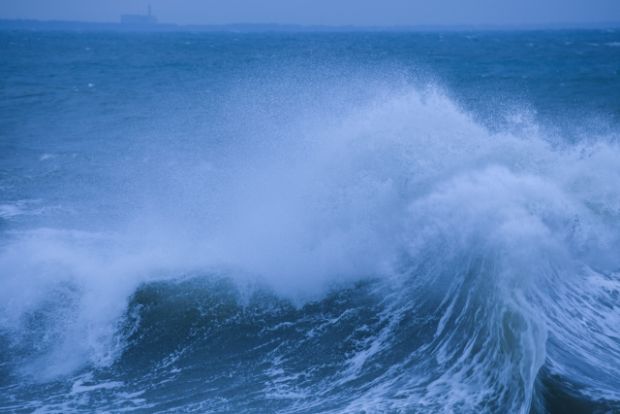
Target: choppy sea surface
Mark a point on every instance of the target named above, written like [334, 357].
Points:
[310, 222]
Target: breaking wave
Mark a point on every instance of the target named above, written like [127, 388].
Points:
[395, 256]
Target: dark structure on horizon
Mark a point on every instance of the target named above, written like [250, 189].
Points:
[139, 19]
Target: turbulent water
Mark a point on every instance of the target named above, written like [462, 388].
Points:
[310, 223]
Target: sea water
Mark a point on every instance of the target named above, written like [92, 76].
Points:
[310, 222]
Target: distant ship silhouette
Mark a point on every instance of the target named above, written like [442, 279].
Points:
[139, 19]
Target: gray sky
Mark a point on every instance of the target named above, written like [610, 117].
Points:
[325, 12]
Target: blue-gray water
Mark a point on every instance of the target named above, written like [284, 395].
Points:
[310, 223]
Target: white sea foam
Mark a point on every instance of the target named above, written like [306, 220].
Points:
[21, 208]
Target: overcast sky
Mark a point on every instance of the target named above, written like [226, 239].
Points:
[325, 12]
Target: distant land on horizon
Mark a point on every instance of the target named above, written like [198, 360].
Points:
[60, 25]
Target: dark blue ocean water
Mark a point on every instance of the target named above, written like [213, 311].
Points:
[310, 222]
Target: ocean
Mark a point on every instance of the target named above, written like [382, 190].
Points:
[354, 222]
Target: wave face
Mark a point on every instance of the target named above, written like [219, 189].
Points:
[309, 223]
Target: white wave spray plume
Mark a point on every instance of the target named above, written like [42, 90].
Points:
[509, 237]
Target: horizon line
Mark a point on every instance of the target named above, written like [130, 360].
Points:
[162, 26]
